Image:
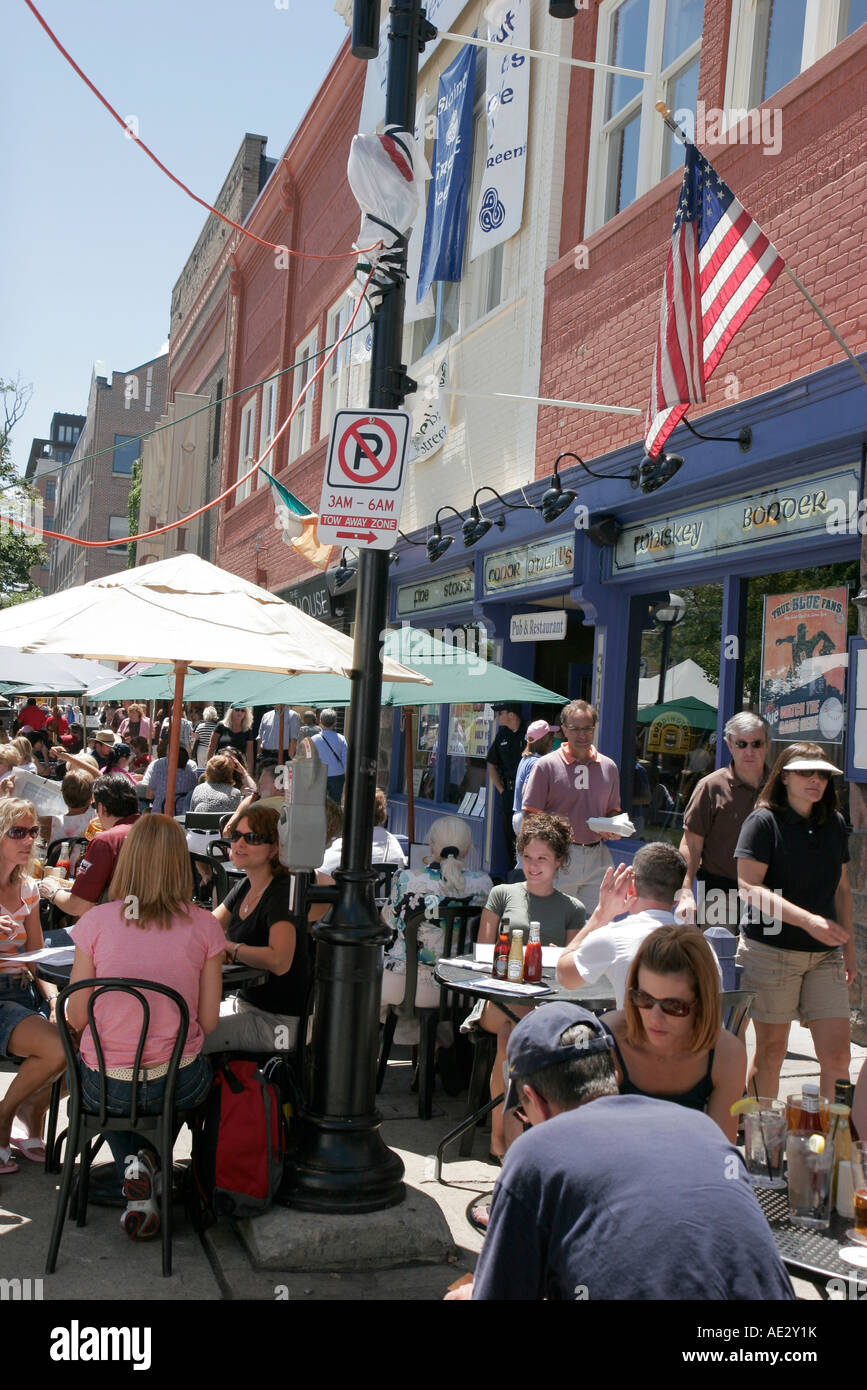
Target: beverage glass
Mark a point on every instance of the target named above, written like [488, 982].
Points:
[765, 1143]
[810, 1173]
[795, 1114]
[858, 1159]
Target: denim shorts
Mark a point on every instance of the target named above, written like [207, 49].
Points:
[191, 1087]
[17, 1002]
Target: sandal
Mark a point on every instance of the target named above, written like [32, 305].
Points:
[7, 1163]
[141, 1187]
[32, 1148]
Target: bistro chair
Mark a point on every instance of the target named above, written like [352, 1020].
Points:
[50, 916]
[461, 922]
[87, 1125]
[736, 1005]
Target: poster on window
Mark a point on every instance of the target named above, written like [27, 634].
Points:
[803, 681]
[471, 730]
[500, 206]
[445, 224]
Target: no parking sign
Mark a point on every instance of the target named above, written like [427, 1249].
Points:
[363, 485]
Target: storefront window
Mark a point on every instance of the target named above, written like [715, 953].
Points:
[424, 749]
[471, 732]
[796, 657]
[678, 699]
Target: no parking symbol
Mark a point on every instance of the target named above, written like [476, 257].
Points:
[364, 478]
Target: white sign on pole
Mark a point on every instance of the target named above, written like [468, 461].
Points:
[500, 207]
[364, 478]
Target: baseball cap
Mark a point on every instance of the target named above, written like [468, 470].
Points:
[812, 765]
[536, 1043]
[508, 709]
[539, 728]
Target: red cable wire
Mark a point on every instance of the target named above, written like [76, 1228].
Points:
[182, 521]
[272, 246]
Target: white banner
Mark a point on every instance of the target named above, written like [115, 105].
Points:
[500, 208]
[430, 418]
[427, 308]
[442, 14]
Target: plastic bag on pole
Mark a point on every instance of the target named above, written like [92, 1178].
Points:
[385, 176]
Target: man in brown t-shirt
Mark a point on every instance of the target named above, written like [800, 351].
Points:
[712, 821]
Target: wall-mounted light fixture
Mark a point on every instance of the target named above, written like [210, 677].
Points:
[557, 498]
[344, 571]
[438, 544]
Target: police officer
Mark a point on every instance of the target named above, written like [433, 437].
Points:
[504, 756]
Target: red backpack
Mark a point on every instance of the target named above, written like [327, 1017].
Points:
[239, 1144]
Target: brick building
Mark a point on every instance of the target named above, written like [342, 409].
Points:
[92, 500]
[45, 470]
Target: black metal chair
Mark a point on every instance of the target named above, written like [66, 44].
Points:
[459, 919]
[736, 1005]
[86, 1125]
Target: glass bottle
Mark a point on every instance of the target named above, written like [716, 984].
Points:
[501, 951]
[840, 1135]
[516, 957]
[810, 1117]
[533, 956]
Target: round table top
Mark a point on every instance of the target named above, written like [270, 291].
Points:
[479, 984]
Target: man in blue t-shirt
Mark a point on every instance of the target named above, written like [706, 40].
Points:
[624, 1198]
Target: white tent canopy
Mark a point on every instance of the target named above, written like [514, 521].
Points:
[183, 609]
[685, 679]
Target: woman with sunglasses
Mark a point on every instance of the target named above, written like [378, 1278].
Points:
[667, 1037]
[261, 931]
[797, 946]
[25, 1033]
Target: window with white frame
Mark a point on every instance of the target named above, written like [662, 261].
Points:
[301, 429]
[336, 377]
[268, 426]
[772, 41]
[631, 148]
[246, 448]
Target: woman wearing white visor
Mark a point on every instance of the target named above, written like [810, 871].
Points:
[797, 946]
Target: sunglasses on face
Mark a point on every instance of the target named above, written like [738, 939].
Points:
[748, 743]
[249, 837]
[812, 772]
[677, 1008]
[20, 832]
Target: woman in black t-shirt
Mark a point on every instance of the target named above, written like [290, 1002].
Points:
[261, 931]
[234, 732]
[797, 946]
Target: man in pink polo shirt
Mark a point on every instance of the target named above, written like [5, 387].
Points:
[577, 782]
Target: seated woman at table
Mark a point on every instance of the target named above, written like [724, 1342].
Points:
[25, 1033]
[263, 932]
[668, 1039]
[543, 848]
[24, 749]
[118, 759]
[445, 879]
[170, 941]
[220, 790]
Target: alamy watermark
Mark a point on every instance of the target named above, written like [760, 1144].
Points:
[22, 516]
[718, 125]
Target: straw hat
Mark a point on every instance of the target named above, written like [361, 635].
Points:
[106, 736]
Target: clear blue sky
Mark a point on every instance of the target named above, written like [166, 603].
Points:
[92, 235]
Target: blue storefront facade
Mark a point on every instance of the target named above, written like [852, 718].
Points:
[740, 536]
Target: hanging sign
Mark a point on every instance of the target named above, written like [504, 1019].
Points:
[500, 207]
[538, 627]
[364, 478]
[443, 249]
[426, 309]
[430, 418]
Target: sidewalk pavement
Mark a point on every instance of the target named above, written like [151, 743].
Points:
[99, 1262]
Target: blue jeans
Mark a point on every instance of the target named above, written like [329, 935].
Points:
[191, 1087]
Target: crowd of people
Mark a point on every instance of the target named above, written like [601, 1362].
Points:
[770, 843]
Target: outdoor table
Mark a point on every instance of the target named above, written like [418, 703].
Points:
[455, 975]
[234, 976]
[813, 1254]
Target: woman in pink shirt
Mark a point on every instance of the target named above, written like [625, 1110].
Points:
[150, 931]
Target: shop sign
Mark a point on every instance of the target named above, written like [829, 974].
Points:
[311, 597]
[804, 660]
[538, 627]
[529, 564]
[670, 733]
[805, 506]
[448, 591]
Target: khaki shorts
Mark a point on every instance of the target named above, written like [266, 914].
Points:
[807, 985]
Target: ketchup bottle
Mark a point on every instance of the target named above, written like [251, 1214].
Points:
[501, 951]
[533, 956]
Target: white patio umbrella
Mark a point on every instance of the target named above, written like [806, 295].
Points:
[189, 612]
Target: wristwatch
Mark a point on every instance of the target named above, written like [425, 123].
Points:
[235, 953]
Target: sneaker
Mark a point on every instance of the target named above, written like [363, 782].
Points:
[141, 1188]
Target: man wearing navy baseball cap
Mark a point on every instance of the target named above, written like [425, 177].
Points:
[625, 1198]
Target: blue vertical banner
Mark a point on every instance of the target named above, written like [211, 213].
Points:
[445, 226]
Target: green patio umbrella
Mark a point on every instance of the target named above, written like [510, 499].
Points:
[699, 714]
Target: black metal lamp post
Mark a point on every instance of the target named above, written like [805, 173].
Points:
[667, 615]
[340, 1162]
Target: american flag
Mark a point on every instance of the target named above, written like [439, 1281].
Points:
[720, 265]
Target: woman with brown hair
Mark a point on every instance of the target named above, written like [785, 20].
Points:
[262, 931]
[797, 946]
[150, 930]
[668, 1037]
[220, 790]
[136, 724]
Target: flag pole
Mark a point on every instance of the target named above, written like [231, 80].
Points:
[676, 130]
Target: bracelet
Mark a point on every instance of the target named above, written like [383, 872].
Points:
[235, 953]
